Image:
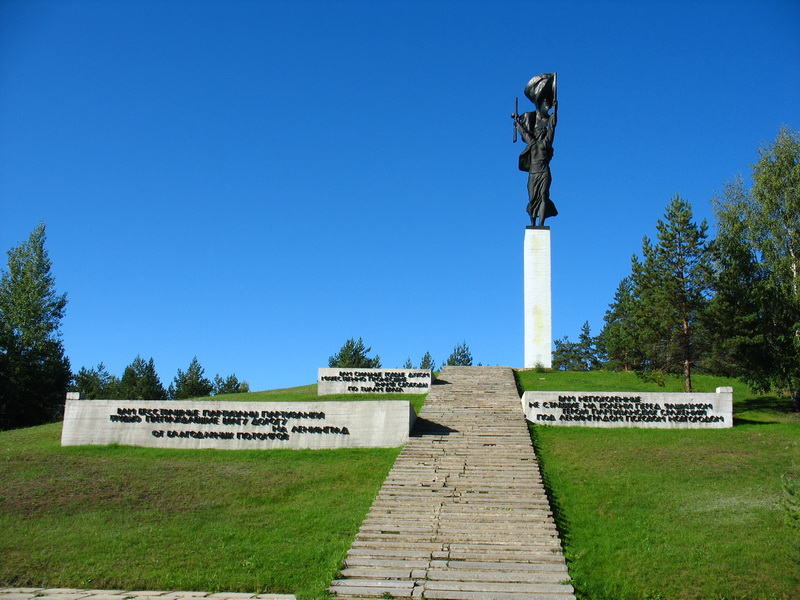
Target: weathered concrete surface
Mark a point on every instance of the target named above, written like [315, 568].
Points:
[463, 513]
[31, 593]
[538, 321]
[349, 380]
[660, 410]
[230, 425]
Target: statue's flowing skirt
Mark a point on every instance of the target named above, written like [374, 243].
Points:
[539, 193]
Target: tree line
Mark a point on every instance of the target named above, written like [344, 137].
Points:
[140, 381]
[726, 306]
[355, 354]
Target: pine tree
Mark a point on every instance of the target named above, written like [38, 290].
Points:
[229, 385]
[673, 285]
[460, 356]
[354, 355]
[620, 334]
[95, 383]
[587, 349]
[565, 355]
[34, 373]
[427, 362]
[191, 384]
[140, 382]
[150, 386]
[583, 355]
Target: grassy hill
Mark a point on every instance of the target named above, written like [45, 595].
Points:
[646, 514]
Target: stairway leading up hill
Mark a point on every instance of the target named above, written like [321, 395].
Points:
[463, 514]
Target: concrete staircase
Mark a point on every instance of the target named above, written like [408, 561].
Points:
[462, 515]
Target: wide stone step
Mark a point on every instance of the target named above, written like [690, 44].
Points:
[491, 586]
[384, 563]
[504, 576]
[459, 530]
[377, 545]
[475, 516]
[556, 566]
[496, 595]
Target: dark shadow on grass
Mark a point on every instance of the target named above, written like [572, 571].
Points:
[774, 403]
[738, 421]
[562, 523]
[423, 427]
[781, 405]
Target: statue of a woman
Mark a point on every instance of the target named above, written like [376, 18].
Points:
[538, 129]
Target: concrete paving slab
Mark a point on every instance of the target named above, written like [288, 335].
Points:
[374, 584]
[178, 595]
[354, 561]
[78, 594]
[373, 571]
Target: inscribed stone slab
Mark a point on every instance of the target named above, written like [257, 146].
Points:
[238, 425]
[663, 410]
[373, 381]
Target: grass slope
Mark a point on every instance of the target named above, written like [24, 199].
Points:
[646, 514]
[652, 514]
[141, 518]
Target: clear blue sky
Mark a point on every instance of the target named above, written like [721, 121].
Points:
[254, 182]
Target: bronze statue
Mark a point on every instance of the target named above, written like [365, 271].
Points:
[538, 129]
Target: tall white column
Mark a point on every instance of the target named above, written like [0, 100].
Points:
[538, 298]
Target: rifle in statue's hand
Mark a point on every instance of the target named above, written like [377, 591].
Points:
[515, 116]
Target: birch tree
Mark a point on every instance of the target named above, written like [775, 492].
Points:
[757, 309]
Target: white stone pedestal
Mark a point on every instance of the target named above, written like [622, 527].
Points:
[538, 298]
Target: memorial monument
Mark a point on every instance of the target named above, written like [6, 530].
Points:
[537, 129]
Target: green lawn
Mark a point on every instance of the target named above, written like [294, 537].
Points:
[646, 514]
[141, 518]
[652, 514]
